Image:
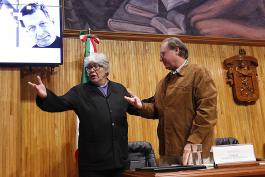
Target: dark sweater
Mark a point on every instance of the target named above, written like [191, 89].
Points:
[103, 127]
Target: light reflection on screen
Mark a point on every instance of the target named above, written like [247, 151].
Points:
[8, 32]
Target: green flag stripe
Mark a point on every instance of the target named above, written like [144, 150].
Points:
[84, 78]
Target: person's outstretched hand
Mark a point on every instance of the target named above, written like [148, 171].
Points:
[39, 88]
[134, 100]
[211, 9]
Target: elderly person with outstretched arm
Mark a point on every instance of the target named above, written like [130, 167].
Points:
[101, 109]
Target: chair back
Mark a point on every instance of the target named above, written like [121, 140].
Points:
[141, 154]
[226, 141]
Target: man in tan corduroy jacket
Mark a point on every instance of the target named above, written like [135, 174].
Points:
[185, 104]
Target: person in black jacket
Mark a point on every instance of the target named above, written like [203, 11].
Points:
[101, 109]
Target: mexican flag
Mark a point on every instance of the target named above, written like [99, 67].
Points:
[90, 48]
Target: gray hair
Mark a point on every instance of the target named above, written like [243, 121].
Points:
[98, 58]
[173, 43]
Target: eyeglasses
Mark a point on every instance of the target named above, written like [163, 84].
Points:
[94, 66]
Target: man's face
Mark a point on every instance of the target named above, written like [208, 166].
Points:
[40, 27]
[169, 57]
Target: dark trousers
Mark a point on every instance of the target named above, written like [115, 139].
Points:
[101, 173]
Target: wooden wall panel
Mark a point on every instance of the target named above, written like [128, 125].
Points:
[49, 139]
[36, 143]
[10, 122]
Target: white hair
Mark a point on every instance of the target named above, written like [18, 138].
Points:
[98, 58]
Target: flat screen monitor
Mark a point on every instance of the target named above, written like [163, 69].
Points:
[31, 32]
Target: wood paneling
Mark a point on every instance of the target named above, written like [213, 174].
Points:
[36, 143]
[10, 122]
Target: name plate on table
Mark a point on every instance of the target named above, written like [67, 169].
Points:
[223, 154]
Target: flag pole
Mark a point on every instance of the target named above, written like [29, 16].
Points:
[90, 41]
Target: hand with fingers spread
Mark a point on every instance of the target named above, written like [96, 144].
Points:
[215, 27]
[229, 18]
[39, 88]
[210, 9]
[134, 100]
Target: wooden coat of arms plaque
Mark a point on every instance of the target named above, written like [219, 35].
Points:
[242, 76]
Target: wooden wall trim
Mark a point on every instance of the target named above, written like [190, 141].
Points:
[159, 37]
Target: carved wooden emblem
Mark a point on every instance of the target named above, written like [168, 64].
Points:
[242, 76]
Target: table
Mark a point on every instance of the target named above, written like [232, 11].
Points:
[252, 171]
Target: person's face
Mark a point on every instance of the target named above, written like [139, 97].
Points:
[40, 27]
[169, 57]
[96, 74]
